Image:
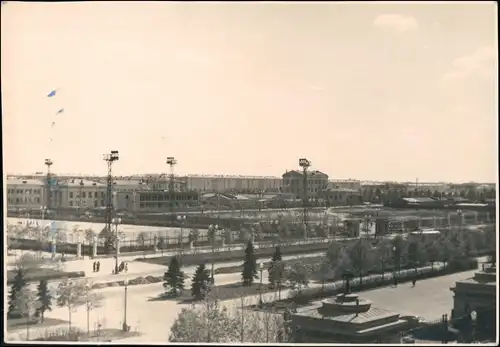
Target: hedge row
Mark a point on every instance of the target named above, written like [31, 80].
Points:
[236, 255]
[311, 294]
[44, 274]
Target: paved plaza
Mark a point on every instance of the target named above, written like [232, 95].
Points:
[430, 299]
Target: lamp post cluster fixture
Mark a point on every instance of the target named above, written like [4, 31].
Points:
[305, 164]
[110, 158]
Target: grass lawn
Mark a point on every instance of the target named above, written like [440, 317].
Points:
[20, 323]
[37, 274]
[104, 335]
[235, 269]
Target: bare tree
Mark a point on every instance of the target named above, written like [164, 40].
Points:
[71, 294]
[27, 303]
[92, 300]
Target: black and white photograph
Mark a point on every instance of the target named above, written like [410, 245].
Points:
[250, 172]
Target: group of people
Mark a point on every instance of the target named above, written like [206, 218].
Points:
[122, 266]
[96, 266]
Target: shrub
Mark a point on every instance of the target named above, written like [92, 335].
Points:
[462, 264]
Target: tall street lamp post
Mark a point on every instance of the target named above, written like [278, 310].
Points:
[41, 229]
[212, 229]
[181, 220]
[473, 317]
[116, 222]
[261, 269]
[125, 326]
[460, 219]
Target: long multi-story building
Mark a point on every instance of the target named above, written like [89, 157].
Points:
[237, 184]
[152, 200]
[25, 193]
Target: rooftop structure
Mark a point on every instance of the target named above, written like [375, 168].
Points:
[347, 318]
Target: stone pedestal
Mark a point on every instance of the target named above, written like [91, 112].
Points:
[79, 250]
[118, 247]
[191, 244]
[434, 223]
[94, 249]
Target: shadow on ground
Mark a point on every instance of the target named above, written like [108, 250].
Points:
[21, 323]
[223, 292]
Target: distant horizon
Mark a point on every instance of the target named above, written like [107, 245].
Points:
[241, 175]
[391, 90]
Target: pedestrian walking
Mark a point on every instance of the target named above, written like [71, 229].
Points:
[413, 281]
[98, 266]
[395, 281]
[94, 266]
[126, 267]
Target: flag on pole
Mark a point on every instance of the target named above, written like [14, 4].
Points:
[60, 111]
[52, 93]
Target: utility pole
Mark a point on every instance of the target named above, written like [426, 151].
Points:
[171, 161]
[305, 164]
[110, 159]
[48, 204]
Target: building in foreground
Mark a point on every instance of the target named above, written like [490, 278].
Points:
[347, 318]
[476, 293]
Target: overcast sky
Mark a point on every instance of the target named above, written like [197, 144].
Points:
[369, 91]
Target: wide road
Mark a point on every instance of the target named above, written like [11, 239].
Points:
[154, 318]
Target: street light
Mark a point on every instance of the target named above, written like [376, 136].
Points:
[116, 221]
[261, 269]
[460, 216]
[181, 219]
[212, 229]
[125, 326]
[473, 317]
[40, 230]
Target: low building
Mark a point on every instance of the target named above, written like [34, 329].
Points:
[143, 201]
[293, 183]
[476, 293]
[25, 194]
[341, 197]
[344, 184]
[347, 318]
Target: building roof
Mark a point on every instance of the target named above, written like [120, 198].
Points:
[25, 182]
[309, 173]
[373, 314]
[231, 176]
[419, 200]
[81, 182]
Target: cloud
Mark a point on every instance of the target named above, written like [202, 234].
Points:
[480, 62]
[396, 22]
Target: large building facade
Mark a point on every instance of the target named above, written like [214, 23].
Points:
[234, 184]
[293, 183]
[154, 200]
[25, 193]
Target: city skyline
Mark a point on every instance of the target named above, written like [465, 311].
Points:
[385, 92]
